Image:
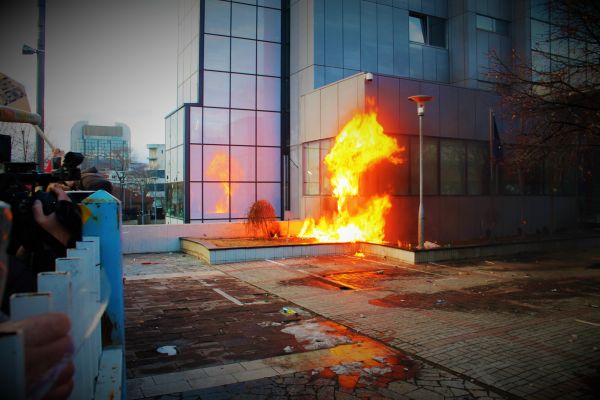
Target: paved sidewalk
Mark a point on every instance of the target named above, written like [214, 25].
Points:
[529, 327]
[212, 320]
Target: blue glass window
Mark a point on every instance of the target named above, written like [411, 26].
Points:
[269, 128]
[269, 58]
[243, 127]
[195, 162]
[268, 93]
[417, 28]
[268, 162]
[217, 17]
[243, 56]
[269, 24]
[243, 21]
[195, 125]
[243, 91]
[216, 89]
[216, 126]
[216, 52]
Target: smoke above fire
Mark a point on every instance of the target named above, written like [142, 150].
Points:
[359, 145]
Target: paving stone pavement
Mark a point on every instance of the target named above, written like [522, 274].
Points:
[521, 328]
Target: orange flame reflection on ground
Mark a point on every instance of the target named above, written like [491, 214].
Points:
[359, 145]
[218, 169]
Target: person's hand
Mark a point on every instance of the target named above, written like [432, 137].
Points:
[47, 343]
[50, 222]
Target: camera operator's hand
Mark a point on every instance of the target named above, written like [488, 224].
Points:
[47, 344]
[50, 222]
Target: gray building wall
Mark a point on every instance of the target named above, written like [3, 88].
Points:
[456, 113]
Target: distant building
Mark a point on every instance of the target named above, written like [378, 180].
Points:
[156, 172]
[104, 147]
[156, 156]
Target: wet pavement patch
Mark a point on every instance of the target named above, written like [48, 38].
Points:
[351, 280]
[214, 321]
[518, 296]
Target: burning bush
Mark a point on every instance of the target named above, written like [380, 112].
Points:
[261, 220]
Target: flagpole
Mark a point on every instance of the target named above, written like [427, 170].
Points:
[491, 140]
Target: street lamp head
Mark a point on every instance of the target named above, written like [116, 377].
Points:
[420, 99]
[28, 50]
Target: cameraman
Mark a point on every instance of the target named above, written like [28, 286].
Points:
[37, 239]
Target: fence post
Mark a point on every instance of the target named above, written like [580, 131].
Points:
[101, 214]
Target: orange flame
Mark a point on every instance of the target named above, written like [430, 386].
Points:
[218, 169]
[359, 145]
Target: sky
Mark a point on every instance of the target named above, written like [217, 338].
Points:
[106, 61]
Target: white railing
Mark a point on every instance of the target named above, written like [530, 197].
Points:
[79, 288]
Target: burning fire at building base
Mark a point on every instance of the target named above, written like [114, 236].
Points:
[359, 145]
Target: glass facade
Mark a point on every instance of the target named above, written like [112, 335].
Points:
[451, 167]
[175, 165]
[224, 145]
[352, 36]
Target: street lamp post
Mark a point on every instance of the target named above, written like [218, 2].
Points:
[420, 100]
[40, 53]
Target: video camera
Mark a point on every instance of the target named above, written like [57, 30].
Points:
[19, 180]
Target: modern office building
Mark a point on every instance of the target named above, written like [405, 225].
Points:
[265, 86]
[104, 147]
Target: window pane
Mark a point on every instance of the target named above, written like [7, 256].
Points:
[217, 17]
[216, 89]
[268, 161]
[243, 21]
[272, 193]
[242, 197]
[216, 163]
[180, 161]
[216, 126]
[243, 127]
[452, 154]
[396, 176]
[242, 163]
[195, 125]
[243, 56]
[430, 165]
[478, 168]
[270, 3]
[485, 23]
[311, 168]
[216, 52]
[195, 200]
[540, 33]
[216, 200]
[416, 28]
[269, 24]
[268, 93]
[437, 32]
[269, 58]
[243, 91]
[325, 146]
[195, 162]
[269, 128]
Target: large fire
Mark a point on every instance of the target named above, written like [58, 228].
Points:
[359, 145]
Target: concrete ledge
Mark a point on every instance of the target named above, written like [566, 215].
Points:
[165, 237]
[220, 255]
[478, 251]
[223, 255]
